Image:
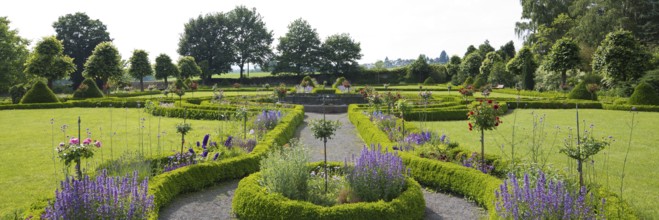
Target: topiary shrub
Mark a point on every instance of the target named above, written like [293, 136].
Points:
[338, 82]
[468, 81]
[581, 92]
[88, 89]
[644, 94]
[40, 93]
[429, 81]
[308, 81]
[16, 92]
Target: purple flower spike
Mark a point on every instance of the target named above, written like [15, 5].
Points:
[216, 156]
[205, 142]
[197, 143]
[191, 151]
[228, 143]
[204, 154]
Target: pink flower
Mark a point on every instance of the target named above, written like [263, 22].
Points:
[74, 141]
[87, 141]
[97, 144]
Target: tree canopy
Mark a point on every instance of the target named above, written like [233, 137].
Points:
[209, 39]
[48, 60]
[443, 57]
[80, 35]
[188, 67]
[164, 68]
[620, 58]
[523, 65]
[339, 54]
[105, 62]
[140, 66]
[564, 56]
[251, 39]
[13, 54]
[419, 70]
[298, 49]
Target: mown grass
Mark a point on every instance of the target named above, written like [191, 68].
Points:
[28, 170]
[641, 186]
[237, 75]
[209, 94]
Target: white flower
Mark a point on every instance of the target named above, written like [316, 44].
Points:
[251, 131]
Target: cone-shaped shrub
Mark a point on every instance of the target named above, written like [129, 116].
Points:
[429, 81]
[88, 89]
[39, 93]
[644, 94]
[581, 92]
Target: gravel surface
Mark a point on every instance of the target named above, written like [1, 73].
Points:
[343, 144]
[215, 202]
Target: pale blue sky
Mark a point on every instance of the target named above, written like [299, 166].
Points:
[397, 29]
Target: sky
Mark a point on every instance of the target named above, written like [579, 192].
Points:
[394, 29]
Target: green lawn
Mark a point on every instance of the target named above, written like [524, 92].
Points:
[641, 182]
[209, 94]
[28, 170]
[237, 75]
[476, 94]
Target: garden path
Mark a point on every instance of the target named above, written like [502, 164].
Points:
[215, 202]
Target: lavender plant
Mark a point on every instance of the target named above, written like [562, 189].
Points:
[267, 120]
[376, 175]
[284, 170]
[543, 200]
[102, 198]
[473, 162]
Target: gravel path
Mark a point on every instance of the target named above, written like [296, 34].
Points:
[215, 202]
[343, 144]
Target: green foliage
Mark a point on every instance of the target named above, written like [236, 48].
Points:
[338, 82]
[16, 92]
[307, 80]
[524, 65]
[439, 73]
[581, 92]
[48, 60]
[252, 42]
[481, 81]
[188, 67]
[164, 68]
[80, 35]
[140, 66]
[299, 49]
[14, 51]
[252, 202]
[429, 81]
[39, 93]
[88, 89]
[644, 94]
[104, 63]
[340, 54]
[470, 66]
[485, 48]
[284, 171]
[499, 75]
[564, 56]
[620, 58]
[208, 40]
[507, 51]
[488, 63]
[419, 70]
[324, 129]
[468, 81]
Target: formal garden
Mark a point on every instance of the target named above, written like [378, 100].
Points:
[562, 128]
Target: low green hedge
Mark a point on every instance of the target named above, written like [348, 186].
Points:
[251, 201]
[641, 108]
[319, 90]
[134, 94]
[458, 179]
[556, 104]
[88, 103]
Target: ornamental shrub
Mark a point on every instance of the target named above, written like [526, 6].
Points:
[285, 171]
[338, 82]
[376, 175]
[481, 80]
[16, 92]
[644, 94]
[307, 81]
[581, 92]
[105, 197]
[88, 89]
[429, 81]
[468, 81]
[39, 93]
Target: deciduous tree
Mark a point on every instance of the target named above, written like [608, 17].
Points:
[564, 56]
[140, 66]
[209, 39]
[251, 39]
[298, 49]
[165, 68]
[13, 54]
[620, 58]
[523, 65]
[188, 67]
[48, 60]
[105, 62]
[340, 54]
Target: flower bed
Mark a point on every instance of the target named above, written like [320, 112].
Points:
[251, 201]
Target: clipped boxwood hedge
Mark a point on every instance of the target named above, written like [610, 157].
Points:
[251, 201]
[644, 94]
[461, 180]
[92, 91]
[39, 93]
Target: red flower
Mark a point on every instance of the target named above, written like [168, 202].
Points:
[471, 113]
[496, 124]
[497, 118]
[489, 101]
[496, 107]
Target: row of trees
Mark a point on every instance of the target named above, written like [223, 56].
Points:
[240, 37]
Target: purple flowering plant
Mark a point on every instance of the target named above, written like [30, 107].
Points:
[104, 197]
[376, 175]
[544, 199]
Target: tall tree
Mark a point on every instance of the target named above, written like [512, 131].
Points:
[470, 49]
[105, 62]
[48, 61]
[470, 66]
[188, 67]
[165, 68]
[419, 70]
[298, 49]
[80, 35]
[209, 39]
[453, 68]
[507, 51]
[524, 65]
[564, 56]
[539, 12]
[443, 57]
[140, 66]
[379, 65]
[620, 58]
[488, 63]
[13, 54]
[339, 54]
[485, 48]
[251, 39]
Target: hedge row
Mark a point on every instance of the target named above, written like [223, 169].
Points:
[135, 94]
[89, 103]
[458, 179]
[319, 90]
[251, 201]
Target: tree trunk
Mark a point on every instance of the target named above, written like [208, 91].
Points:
[141, 84]
[482, 150]
[166, 84]
[564, 78]
[325, 152]
[50, 84]
[580, 170]
[241, 66]
[78, 170]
